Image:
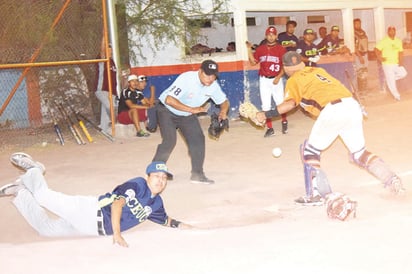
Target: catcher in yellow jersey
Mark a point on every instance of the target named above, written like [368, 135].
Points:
[338, 114]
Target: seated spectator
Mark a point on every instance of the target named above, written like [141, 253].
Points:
[307, 49]
[331, 43]
[133, 104]
[320, 35]
[231, 46]
[288, 39]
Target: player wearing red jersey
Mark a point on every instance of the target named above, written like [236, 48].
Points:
[269, 56]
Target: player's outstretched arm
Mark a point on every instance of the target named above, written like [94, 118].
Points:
[116, 210]
[177, 224]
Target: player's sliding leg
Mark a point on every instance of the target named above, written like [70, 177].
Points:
[378, 168]
[316, 183]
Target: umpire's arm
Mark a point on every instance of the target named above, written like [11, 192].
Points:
[224, 109]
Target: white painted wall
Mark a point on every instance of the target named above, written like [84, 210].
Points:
[375, 19]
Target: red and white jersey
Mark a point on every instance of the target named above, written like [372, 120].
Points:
[270, 59]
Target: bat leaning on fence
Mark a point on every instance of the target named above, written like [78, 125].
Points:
[96, 127]
[81, 124]
[55, 124]
[69, 124]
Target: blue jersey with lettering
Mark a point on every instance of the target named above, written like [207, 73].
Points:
[140, 205]
[307, 51]
[188, 89]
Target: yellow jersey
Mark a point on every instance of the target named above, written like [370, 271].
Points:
[313, 88]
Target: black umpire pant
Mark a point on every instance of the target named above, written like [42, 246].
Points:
[191, 131]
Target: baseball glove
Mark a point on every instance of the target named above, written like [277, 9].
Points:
[216, 127]
[339, 206]
[248, 110]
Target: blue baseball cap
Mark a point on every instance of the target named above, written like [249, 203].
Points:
[158, 166]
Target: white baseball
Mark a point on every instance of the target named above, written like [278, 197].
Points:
[276, 152]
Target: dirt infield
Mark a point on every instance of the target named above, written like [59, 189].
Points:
[246, 222]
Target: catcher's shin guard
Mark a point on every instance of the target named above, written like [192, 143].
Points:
[316, 181]
[378, 168]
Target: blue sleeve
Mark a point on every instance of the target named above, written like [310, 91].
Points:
[159, 215]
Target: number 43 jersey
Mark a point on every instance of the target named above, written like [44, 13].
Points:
[270, 59]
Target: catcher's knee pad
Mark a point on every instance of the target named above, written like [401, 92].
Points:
[310, 155]
[376, 166]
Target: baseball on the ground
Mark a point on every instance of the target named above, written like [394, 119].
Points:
[276, 152]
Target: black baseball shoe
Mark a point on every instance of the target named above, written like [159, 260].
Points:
[285, 127]
[197, 178]
[151, 130]
[269, 132]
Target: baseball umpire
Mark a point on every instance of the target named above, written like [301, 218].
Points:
[338, 114]
[128, 205]
[178, 109]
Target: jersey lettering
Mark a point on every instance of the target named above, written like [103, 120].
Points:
[176, 90]
[311, 52]
[274, 67]
[138, 210]
[322, 78]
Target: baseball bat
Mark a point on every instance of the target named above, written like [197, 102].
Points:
[69, 125]
[355, 93]
[81, 124]
[101, 131]
[76, 129]
[56, 127]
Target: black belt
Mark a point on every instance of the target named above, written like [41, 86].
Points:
[337, 101]
[100, 226]
[269, 77]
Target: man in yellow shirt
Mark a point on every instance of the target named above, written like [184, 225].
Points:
[389, 51]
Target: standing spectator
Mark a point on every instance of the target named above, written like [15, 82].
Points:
[331, 43]
[133, 104]
[178, 107]
[322, 32]
[269, 56]
[288, 39]
[102, 88]
[361, 46]
[389, 51]
[127, 206]
[307, 49]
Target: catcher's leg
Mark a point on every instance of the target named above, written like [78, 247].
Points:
[378, 168]
[316, 182]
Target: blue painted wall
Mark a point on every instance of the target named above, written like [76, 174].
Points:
[17, 110]
[235, 83]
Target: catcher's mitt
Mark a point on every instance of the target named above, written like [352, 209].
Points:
[216, 127]
[339, 206]
[248, 111]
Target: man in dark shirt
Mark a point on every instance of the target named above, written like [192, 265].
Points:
[287, 39]
[307, 49]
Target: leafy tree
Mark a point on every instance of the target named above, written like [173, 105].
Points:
[155, 23]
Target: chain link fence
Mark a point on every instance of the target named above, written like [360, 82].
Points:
[53, 36]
